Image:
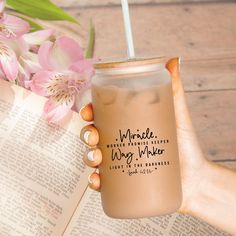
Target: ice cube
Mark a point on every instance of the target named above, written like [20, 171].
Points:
[148, 96]
[107, 94]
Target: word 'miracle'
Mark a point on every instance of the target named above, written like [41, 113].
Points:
[128, 135]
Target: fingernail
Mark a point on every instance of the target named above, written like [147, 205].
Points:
[86, 136]
[90, 156]
[81, 109]
[180, 62]
[90, 179]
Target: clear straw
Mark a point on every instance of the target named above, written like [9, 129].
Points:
[128, 29]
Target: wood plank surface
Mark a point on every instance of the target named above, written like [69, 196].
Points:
[186, 30]
[204, 36]
[86, 3]
[213, 114]
[209, 74]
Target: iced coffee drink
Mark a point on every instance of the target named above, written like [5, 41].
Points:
[134, 114]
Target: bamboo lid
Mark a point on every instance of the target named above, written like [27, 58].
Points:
[129, 63]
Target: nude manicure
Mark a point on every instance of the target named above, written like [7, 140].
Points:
[90, 156]
[86, 136]
[89, 179]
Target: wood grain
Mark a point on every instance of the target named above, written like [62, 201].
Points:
[213, 114]
[209, 74]
[86, 3]
[204, 36]
[187, 30]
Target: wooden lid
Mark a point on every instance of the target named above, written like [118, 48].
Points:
[129, 63]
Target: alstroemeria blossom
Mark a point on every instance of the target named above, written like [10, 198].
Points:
[60, 55]
[38, 37]
[50, 67]
[10, 52]
[12, 27]
[61, 88]
[18, 61]
[65, 72]
[8, 62]
[28, 59]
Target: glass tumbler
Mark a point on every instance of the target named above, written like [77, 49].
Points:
[134, 114]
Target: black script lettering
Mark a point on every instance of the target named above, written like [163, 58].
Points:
[132, 172]
[131, 136]
[146, 151]
[119, 155]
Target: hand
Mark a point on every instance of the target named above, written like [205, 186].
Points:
[192, 161]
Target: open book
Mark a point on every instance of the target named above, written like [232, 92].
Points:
[43, 181]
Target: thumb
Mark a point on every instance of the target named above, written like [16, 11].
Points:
[183, 119]
[187, 140]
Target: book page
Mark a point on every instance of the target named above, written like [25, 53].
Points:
[90, 220]
[42, 176]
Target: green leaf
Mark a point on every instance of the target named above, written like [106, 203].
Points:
[33, 25]
[90, 49]
[41, 9]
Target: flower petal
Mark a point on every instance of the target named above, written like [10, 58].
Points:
[13, 27]
[38, 37]
[30, 62]
[2, 5]
[84, 67]
[23, 77]
[54, 111]
[8, 61]
[39, 82]
[2, 75]
[44, 55]
[19, 46]
[65, 52]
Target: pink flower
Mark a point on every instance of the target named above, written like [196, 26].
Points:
[10, 53]
[16, 59]
[8, 62]
[11, 27]
[65, 73]
[38, 37]
[28, 59]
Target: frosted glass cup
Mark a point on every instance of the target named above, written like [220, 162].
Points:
[134, 114]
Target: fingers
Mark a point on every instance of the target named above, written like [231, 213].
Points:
[94, 181]
[93, 157]
[86, 112]
[89, 135]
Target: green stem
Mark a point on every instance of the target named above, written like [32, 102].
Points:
[91, 44]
